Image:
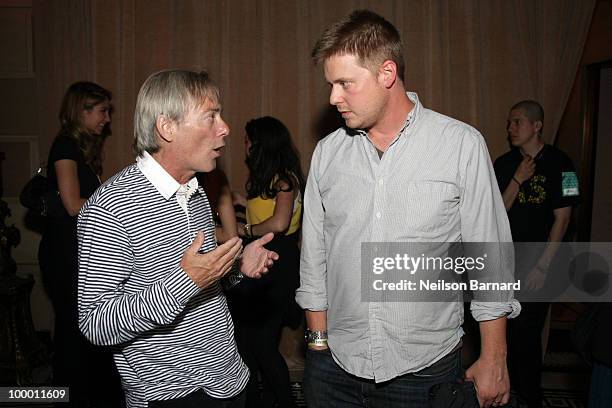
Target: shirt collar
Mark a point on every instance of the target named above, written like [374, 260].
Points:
[159, 177]
[414, 98]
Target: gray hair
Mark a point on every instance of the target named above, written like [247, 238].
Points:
[171, 93]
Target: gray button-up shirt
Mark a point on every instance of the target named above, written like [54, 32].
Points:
[435, 183]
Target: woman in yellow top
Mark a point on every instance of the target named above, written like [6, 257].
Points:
[261, 306]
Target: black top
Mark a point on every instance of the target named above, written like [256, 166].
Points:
[553, 185]
[66, 148]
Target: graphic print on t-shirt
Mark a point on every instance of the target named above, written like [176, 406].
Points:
[535, 193]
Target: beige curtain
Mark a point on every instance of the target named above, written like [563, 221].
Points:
[552, 37]
[62, 55]
[471, 59]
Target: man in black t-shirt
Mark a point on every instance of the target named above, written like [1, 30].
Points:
[539, 187]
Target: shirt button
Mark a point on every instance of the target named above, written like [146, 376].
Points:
[378, 215]
[380, 182]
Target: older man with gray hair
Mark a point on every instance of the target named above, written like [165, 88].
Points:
[150, 271]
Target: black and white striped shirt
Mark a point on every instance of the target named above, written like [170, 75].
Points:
[173, 338]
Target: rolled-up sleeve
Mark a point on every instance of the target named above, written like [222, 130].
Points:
[484, 220]
[312, 293]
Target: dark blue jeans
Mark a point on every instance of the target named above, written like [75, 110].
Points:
[326, 385]
[601, 386]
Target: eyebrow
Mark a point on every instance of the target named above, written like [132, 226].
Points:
[213, 110]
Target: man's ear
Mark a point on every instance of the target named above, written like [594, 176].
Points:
[538, 125]
[165, 128]
[388, 73]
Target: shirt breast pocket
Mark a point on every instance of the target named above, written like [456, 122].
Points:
[425, 205]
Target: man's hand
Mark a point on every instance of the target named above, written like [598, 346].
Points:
[256, 259]
[491, 380]
[490, 373]
[535, 279]
[205, 269]
[525, 170]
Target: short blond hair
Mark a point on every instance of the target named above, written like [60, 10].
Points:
[365, 34]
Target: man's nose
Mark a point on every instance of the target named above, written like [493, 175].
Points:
[334, 96]
[224, 129]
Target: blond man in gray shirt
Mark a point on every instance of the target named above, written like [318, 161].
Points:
[398, 172]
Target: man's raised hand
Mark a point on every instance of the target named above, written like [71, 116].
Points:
[205, 269]
[256, 260]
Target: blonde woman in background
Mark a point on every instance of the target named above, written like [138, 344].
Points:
[74, 167]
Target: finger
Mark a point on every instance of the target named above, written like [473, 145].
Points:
[488, 400]
[265, 239]
[273, 256]
[222, 257]
[225, 268]
[197, 243]
[231, 253]
[491, 402]
[226, 249]
[228, 245]
[469, 377]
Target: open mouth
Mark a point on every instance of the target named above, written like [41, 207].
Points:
[219, 149]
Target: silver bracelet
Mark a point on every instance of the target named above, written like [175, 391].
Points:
[316, 336]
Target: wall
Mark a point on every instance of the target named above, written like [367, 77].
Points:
[20, 136]
[470, 59]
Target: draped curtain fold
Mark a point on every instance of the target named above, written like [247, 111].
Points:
[470, 59]
[552, 35]
[62, 54]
